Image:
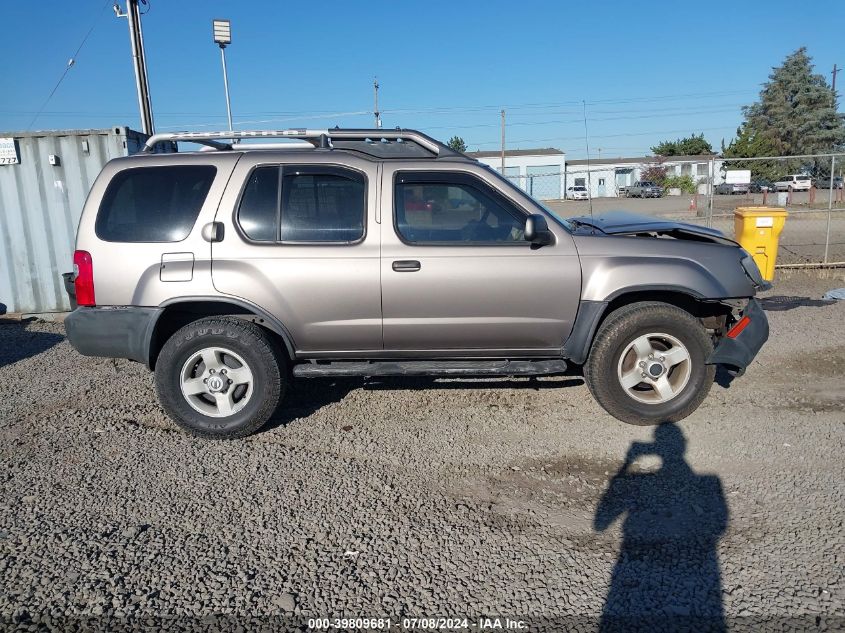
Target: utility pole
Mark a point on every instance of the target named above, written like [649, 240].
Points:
[834, 73]
[136, 38]
[503, 142]
[376, 112]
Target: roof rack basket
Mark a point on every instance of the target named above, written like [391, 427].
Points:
[322, 139]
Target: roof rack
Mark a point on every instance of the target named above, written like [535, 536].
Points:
[323, 139]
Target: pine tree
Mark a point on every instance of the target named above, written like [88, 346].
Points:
[796, 114]
[457, 144]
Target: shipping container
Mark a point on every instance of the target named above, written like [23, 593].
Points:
[44, 180]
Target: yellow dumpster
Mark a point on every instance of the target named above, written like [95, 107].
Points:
[757, 229]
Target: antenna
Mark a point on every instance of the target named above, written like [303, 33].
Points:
[587, 143]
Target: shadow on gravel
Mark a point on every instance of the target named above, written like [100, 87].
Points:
[784, 303]
[17, 343]
[308, 396]
[667, 574]
[305, 397]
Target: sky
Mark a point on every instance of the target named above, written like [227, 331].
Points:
[644, 72]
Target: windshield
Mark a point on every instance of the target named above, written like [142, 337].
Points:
[520, 194]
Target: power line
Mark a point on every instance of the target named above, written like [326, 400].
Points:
[273, 120]
[530, 110]
[573, 121]
[70, 64]
[577, 138]
[563, 103]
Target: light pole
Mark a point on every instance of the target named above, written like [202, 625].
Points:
[223, 37]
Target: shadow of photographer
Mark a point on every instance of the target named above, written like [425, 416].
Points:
[667, 575]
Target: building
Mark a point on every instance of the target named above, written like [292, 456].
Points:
[44, 180]
[608, 175]
[540, 172]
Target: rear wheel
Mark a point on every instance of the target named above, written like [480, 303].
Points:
[648, 364]
[219, 377]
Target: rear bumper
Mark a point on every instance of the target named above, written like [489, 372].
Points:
[123, 332]
[738, 352]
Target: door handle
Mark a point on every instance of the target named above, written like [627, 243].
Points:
[406, 266]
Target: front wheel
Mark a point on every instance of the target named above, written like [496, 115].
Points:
[219, 377]
[648, 364]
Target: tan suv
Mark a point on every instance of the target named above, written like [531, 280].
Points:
[231, 270]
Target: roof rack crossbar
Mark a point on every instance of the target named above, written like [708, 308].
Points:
[317, 138]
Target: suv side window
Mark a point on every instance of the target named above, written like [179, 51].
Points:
[454, 208]
[322, 205]
[153, 204]
[258, 213]
[303, 204]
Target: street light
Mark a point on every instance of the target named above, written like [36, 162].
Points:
[222, 30]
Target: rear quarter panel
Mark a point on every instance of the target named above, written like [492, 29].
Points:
[129, 273]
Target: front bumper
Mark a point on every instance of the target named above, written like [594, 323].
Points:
[738, 352]
[120, 332]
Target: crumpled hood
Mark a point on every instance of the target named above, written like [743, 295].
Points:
[625, 223]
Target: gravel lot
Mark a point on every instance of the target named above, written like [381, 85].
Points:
[420, 498]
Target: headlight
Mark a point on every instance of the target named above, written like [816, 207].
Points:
[753, 272]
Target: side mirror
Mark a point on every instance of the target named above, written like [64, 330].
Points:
[537, 230]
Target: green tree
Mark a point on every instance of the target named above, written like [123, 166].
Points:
[749, 143]
[795, 114]
[685, 183]
[457, 144]
[694, 145]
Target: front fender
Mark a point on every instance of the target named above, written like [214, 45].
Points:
[705, 271]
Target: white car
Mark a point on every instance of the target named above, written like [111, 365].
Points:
[577, 193]
[795, 182]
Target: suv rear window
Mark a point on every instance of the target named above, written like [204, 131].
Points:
[153, 204]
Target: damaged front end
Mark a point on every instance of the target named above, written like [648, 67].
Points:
[624, 223]
[745, 335]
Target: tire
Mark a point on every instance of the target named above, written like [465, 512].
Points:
[615, 356]
[244, 357]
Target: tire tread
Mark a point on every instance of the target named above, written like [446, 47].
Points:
[248, 334]
[600, 368]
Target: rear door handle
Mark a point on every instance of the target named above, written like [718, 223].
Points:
[406, 266]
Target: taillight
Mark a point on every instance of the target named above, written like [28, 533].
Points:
[83, 268]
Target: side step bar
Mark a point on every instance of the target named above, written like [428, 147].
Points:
[431, 368]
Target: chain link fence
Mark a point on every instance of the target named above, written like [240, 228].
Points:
[810, 188]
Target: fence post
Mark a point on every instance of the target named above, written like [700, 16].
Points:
[829, 209]
[712, 187]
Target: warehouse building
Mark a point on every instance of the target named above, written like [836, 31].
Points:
[609, 175]
[540, 172]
